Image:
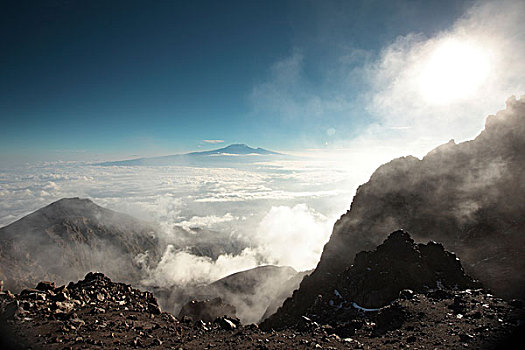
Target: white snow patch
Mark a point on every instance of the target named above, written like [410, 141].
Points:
[362, 308]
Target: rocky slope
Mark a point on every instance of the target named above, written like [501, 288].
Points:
[70, 237]
[469, 196]
[98, 313]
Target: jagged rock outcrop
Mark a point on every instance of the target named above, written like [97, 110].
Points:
[376, 278]
[94, 312]
[469, 196]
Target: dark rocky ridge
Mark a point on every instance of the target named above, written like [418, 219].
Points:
[377, 277]
[468, 196]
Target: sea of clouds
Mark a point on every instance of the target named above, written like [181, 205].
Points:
[280, 212]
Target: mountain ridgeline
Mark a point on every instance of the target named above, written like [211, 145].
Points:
[468, 196]
[68, 238]
[235, 153]
[72, 236]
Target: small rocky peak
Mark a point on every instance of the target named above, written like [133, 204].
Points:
[70, 207]
[72, 201]
[398, 245]
[377, 277]
[398, 238]
[94, 276]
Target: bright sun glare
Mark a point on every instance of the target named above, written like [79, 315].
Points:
[455, 70]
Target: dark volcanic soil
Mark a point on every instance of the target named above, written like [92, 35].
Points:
[97, 313]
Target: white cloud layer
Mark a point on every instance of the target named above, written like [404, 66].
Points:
[267, 208]
[286, 236]
[182, 268]
[206, 221]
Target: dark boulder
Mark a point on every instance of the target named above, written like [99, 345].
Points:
[46, 286]
[225, 323]
[207, 310]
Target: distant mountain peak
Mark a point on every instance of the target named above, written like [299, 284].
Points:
[236, 152]
[234, 148]
[238, 145]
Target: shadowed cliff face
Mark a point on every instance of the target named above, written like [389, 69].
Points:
[468, 196]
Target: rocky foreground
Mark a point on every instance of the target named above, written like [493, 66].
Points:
[98, 313]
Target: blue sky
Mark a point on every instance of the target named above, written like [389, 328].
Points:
[99, 79]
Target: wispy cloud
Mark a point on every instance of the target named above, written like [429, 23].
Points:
[490, 39]
[206, 221]
[298, 226]
[213, 141]
[288, 94]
